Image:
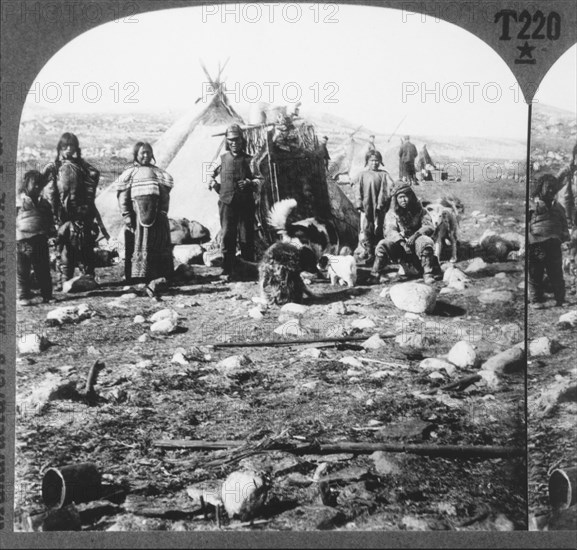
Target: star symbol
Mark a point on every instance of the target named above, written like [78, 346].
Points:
[526, 50]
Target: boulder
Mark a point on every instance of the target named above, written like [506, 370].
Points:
[374, 342]
[188, 254]
[512, 333]
[311, 353]
[414, 297]
[462, 354]
[455, 278]
[568, 320]
[491, 296]
[138, 319]
[164, 326]
[543, 346]
[166, 313]
[82, 283]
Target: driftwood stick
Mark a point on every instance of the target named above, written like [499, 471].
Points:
[445, 451]
[274, 343]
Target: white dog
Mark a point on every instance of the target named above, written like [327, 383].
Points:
[341, 269]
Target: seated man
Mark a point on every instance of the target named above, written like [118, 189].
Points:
[407, 236]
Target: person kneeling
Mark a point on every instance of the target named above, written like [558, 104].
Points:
[407, 239]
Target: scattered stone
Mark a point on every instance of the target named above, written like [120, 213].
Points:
[386, 463]
[69, 314]
[91, 350]
[455, 278]
[362, 324]
[408, 428]
[164, 326]
[296, 309]
[243, 494]
[144, 364]
[352, 361]
[476, 265]
[313, 353]
[563, 390]
[143, 338]
[446, 508]
[415, 340]
[432, 363]
[179, 359]
[234, 362]
[336, 331]
[503, 523]
[374, 342]
[311, 386]
[82, 283]
[543, 346]
[164, 314]
[338, 308]
[32, 343]
[521, 285]
[414, 297]
[501, 275]
[510, 360]
[436, 375]
[385, 292]
[462, 355]
[128, 296]
[379, 375]
[138, 319]
[260, 301]
[255, 313]
[568, 320]
[291, 328]
[491, 296]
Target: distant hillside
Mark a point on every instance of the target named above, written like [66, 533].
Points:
[553, 136]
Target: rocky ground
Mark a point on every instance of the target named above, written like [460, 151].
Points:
[269, 400]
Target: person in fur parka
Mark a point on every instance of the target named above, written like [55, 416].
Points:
[407, 236]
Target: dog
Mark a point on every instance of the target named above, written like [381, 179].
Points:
[445, 214]
[342, 269]
[302, 244]
[280, 271]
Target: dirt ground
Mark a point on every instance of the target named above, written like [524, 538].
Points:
[279, 395]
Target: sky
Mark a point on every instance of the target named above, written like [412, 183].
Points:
[361, 63]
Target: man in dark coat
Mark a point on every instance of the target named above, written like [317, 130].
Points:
[236, 200]
[407, 155]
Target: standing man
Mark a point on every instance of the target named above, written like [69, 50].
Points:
[567, 196]
[236, 200]
[324, 152]
[407, 155]
[372, 187]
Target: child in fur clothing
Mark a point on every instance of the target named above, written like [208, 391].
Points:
[34, 224]
[547, 230]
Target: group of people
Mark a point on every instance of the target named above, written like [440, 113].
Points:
[395, 228]
[56, 206]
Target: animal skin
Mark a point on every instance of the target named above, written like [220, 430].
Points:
[341, 269]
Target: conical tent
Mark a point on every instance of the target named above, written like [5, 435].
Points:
[188, 152]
